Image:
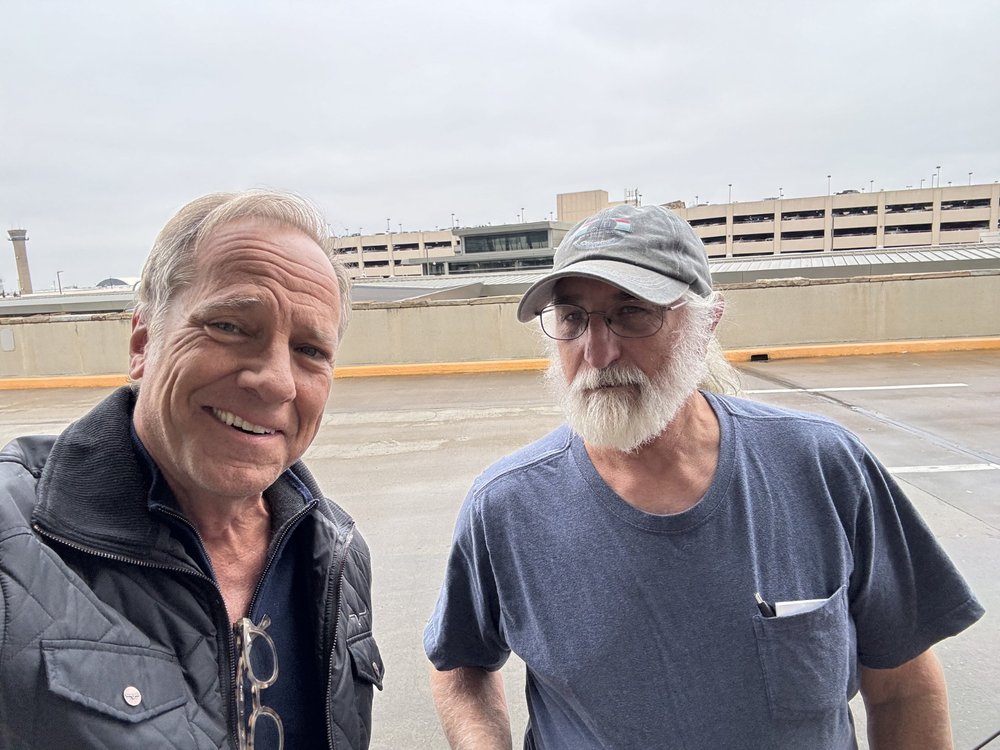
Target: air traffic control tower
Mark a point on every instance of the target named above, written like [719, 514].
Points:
[20, 239]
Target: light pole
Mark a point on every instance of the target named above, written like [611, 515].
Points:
[59, 280]
[871, 186]
[781, 193]
[730, 192]
[828, 183]
[522, 214]
[939, 175]
[388, 229]
[922, 182]
[970, 178]
[452, 219]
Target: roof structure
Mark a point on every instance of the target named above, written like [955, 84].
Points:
[966, 257]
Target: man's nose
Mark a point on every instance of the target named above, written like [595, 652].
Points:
[270, 374]
[601, 347]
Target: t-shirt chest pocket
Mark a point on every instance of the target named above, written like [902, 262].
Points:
[805, 658]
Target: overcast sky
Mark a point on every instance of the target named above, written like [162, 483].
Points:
[115, 113]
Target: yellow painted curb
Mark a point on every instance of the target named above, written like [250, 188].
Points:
[63, 381]
[763, 353]
[441, 368]
[855, 349]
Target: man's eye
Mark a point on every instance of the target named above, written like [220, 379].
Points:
[627, 310]
[226, 327]
[312, 352]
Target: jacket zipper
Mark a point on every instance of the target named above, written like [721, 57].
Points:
[230, 630]
[275, 544]
[229, 690]
[333, 645]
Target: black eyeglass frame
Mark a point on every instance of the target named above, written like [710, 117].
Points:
[609, 319]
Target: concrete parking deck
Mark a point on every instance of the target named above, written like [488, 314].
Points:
[399, 454]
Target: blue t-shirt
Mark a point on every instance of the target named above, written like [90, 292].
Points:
[641, 631]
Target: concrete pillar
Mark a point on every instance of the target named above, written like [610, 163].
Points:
[20, 239]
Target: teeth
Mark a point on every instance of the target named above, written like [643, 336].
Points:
[233, 421]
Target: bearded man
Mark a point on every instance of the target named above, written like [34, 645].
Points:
[679, 567]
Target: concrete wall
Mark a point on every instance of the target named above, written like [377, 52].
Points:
[777, 313]
[792, 312]
[64, 345]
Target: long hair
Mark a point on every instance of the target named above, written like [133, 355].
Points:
[720, 376]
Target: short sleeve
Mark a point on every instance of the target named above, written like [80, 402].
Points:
[905, 593]
[465, 629]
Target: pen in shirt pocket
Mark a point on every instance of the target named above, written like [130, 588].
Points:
[765, 609]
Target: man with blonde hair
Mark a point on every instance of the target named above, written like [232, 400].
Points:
[679, 567]
[172, 574]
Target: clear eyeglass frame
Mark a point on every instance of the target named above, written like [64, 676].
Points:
[247, 636]
[627, 320]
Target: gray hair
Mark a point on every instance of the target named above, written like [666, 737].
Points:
[171, 262]
[720, 376]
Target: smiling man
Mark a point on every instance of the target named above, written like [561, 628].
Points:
[679, 567]
[172, 575]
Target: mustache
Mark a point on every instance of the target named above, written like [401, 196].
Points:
[609, 377]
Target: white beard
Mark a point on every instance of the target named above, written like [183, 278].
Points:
[640, 408]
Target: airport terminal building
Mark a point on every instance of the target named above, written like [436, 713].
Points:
[847, 221]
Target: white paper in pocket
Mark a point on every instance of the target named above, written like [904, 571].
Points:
[797, 607]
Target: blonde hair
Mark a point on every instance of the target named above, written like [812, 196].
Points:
[171, 262]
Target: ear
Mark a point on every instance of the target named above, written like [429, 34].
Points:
[717, 310]
[138, 343]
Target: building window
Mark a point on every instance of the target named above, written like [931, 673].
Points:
[962, 226]
[905, 208]
[908, 229]
[953, 205]
[487, 243]
[815, 234]
[752, 218]
[854, 232]
[711, 221]
[792, 215]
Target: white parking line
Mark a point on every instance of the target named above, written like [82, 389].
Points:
[859, 388]
[942, 468]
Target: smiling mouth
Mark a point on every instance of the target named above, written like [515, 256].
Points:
[228, 418]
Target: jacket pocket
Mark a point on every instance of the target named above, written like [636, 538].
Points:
[366, 660]
[367, 670]
[805, 659]
[124, 682]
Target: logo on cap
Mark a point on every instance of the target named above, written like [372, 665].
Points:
[600, 232]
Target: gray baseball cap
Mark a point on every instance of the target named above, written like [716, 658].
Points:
[649, 252]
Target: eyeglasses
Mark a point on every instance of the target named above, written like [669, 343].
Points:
[630, 320]
[246, 635]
